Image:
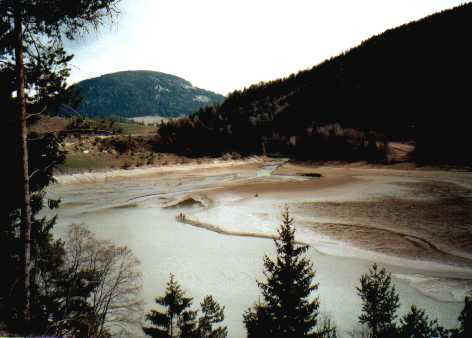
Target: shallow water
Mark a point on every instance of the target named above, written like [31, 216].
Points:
[130, 213]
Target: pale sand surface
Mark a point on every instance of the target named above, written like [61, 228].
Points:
[416, 223]
[416, 218]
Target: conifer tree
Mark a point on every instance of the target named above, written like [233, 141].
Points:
[465, 319]
[31, 34]
[287, 309]
[326, 328]
[380, 301]
[212, 313]
[177, 320]
[416, 324]
[187, 324]
[257, 321]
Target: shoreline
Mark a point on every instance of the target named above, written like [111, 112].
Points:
[289, 168]
[118, 174]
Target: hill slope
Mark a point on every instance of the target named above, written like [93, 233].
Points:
[141, 93]
[412, 82]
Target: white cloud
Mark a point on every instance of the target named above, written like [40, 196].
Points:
[224, 45]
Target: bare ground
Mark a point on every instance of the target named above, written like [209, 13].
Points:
[432, 221]
[413, 213]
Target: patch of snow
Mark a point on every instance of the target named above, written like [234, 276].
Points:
[160, 88]
[150, 119]
[202, 98]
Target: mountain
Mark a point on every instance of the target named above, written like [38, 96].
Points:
[409, 83]
[141, 93]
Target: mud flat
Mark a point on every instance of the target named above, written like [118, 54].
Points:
[415, 223]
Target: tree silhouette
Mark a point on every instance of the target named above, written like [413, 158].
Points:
[31, 36]
[177, 320]
[380, 301]
[465, 319]
[212, 313]
[286, 310]
[416, 324]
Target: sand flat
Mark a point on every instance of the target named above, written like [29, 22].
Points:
[413, 222]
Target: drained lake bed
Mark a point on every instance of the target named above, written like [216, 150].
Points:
[350, 217]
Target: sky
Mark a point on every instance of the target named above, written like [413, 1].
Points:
[224, 45]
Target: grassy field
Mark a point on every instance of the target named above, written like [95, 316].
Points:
[48, 124]
[131, 128]
[80, 162]
[88, 162]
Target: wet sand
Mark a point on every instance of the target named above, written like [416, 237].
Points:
[413, 214]
[416, 223]
[416, 218]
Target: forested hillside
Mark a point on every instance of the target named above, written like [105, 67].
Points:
[411, 83]
[141, 93]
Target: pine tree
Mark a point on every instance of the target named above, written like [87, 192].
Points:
[380, 301]
[31, 32]
[177, 320]
[187, 324]
[212, 313]
[465, 319]
[326, 328]
[416, 324]
[257, 321]
[287, 310]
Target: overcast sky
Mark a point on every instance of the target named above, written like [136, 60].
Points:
[223, 45]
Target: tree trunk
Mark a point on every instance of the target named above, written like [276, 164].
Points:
[23, 155]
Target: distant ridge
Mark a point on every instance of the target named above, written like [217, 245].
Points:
[141, 93]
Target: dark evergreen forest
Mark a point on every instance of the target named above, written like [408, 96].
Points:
[411, 83]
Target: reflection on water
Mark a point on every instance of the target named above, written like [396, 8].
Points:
[130, 213]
